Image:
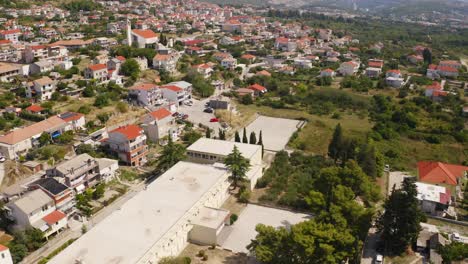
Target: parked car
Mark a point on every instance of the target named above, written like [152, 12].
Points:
[184, 116]
[379, 259]
[208, 110]
[214, 120]
[188, 103]
[456, 237]
[2, 159]
[175, 114]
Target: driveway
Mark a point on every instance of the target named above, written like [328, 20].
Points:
[276, 132]
[196, 115]
[369, 252]
[240, 234]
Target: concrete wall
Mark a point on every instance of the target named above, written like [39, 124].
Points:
[175, 240]
[203, 235]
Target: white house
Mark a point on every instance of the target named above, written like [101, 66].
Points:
[146, 94]
[36, 209]
[5, 255]
[393, 78]
[328, 73]
[159, 124]
[177, 92]
[144, 38]
[41, 89]
[348, 68]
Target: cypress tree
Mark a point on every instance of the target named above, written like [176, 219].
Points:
[336, 143]
[237, 137]
[222, 134]
[208, 133]
[260, 141]
[253, 138]
[244, 137]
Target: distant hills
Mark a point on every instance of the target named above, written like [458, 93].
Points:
[401, 7]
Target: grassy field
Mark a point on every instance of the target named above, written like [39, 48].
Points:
[316, 135]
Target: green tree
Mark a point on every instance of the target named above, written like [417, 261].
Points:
[222, 134]
[44, 139]
[130, 68]
[237, 137]
[103, 118]
[427, 55]
[454, 251]
[400, 222]
[208, 132]
[99, 191]
[334, 148]
[253, 138]
[307, 242]
[237, 165]
[260, 141]
[244, 137]
[101, 100]
[367, 160]
[170, 155]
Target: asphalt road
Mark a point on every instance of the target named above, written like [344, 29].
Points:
[196, 115]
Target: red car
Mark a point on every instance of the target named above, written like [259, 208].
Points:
[214, 120]
[175, 114]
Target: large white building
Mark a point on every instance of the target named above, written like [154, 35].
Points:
[210, 151]
[157, 222]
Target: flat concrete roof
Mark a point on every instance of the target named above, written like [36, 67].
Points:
[129, 232]
[223, 147]
[241, 233]
[211, 217]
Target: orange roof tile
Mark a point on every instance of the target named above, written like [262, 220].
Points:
[97, 67]
[34, 108]
[144, 86]
[129, 131]
[54, 217]
[172, 88]
[161, 113]
[145, 33]
[3, 248]
[438, 172]
[257, 87]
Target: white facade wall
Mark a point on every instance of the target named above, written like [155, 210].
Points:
[5, 257]
[175, 240]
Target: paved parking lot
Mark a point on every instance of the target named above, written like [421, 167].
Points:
[196, 115]
[239, 235]
[275, 131]
[396, 178]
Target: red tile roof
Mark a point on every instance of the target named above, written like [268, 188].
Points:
[145, 33]
[257, 87]
[3, 248]
[34, 108]
[394, 71]
[120, 58]
[432, 67]
[129, 131]
[446, 69]
[434, 86]
[70, 116]
[376, 64]
[328, 70]
[438, 172]
[97, 67]
[160, 113]
[54, 217]
[8, 32]
[144, 86]
[172, 88]
[5, 41]
[248, 56]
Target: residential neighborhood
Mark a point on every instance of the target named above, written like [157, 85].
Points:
[145, 131]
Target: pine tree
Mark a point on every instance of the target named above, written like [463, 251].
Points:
[253, 138]
[367, 160]
[208, 133]
[244, 137]
[237, 137]
[222, 134]
[427, 55]
[400, 223]
[334, 148]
